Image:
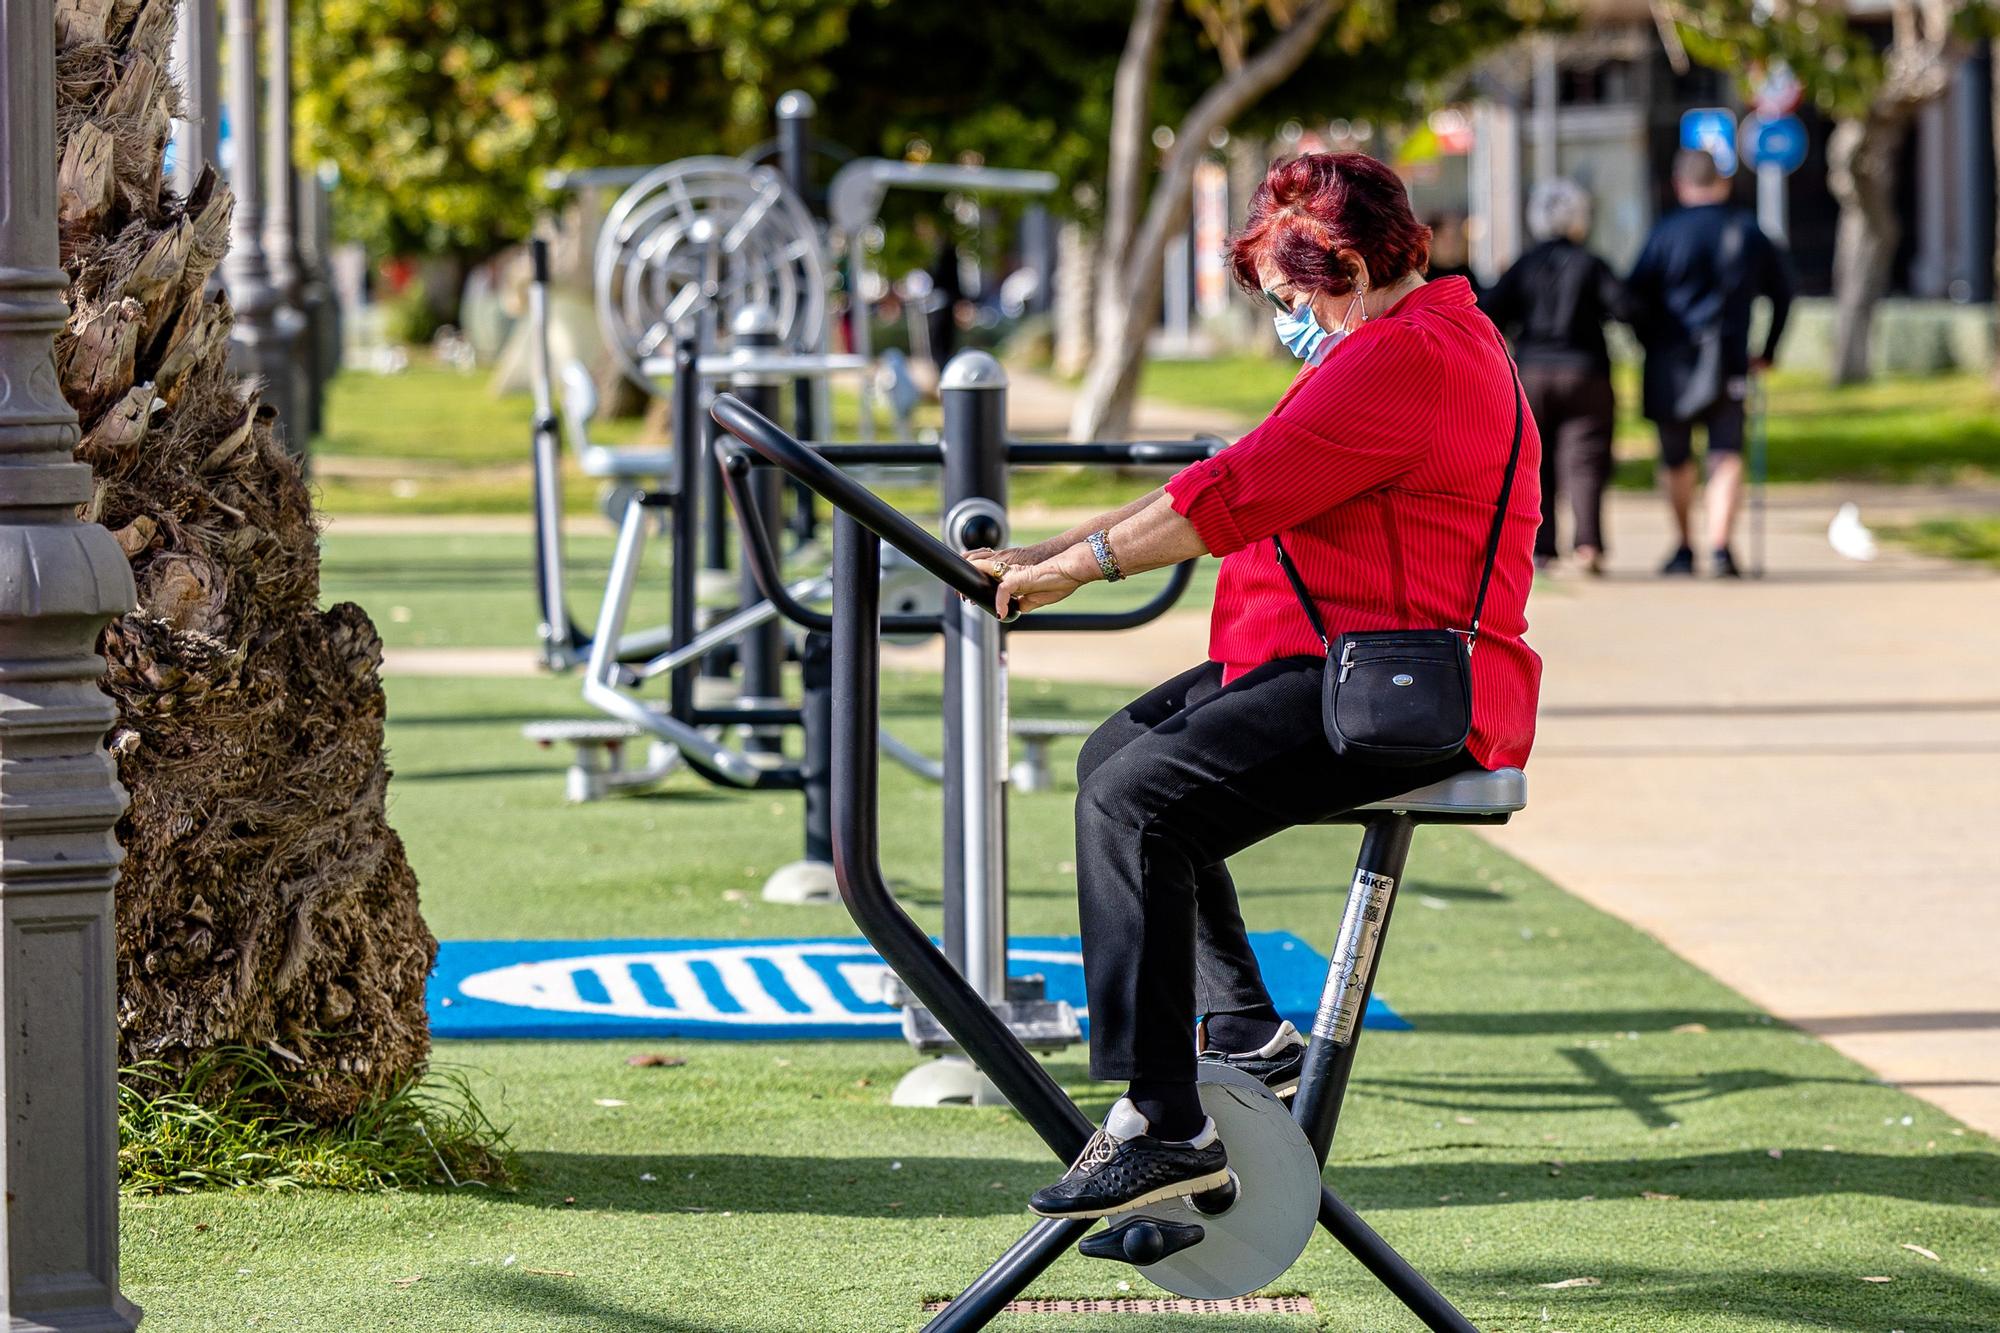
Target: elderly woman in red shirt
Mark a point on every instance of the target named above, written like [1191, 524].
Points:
[1380, 466]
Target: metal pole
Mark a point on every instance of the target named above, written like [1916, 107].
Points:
[1771, 201]
[816, 741]
[690, 432]
[259, 343]
[60, 582]
[761, 651]
[281, 227]
[973, 389]
[795, 114]
[1546, 95]
[1391, 1269]
[1350, 978]
[201, 91]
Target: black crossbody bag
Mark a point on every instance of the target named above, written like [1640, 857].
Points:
[1403, 697]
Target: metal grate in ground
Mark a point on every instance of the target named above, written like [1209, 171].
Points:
[1140, 1305]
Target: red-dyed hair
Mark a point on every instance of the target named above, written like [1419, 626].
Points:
[1313, 206]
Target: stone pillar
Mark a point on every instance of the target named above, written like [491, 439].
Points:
[196, 65]
[259, 345]
[61, 580]
[281, 232]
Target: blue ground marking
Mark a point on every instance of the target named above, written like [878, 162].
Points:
[756, 989]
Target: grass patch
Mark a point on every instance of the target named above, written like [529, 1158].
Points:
[465, 450]
[1573, 1102]
[476, 590]
[217, 1126]
[1958, 538]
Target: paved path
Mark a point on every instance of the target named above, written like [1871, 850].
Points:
[1040, 406]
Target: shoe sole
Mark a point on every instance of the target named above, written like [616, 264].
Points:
[1199, 1185]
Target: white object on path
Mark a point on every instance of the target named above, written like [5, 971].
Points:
[1849, 536]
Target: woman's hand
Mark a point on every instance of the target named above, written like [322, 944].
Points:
[1019, 557]
[1025, 588]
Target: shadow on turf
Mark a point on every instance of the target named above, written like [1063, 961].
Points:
[974, 1187]
[544, 1297]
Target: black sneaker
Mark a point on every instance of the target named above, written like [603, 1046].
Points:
[1277, 1063]
[1123, 1167]
[1724, 565]
[1681, 562]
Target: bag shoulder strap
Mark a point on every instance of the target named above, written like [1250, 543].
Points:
[1492, 537]
[1500, 505]
[1305, 598]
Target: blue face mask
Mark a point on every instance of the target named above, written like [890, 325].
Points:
[1299, 331]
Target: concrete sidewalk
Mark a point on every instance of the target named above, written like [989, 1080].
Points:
[1791, 782]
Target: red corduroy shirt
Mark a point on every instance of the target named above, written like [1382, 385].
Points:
[1380, 466]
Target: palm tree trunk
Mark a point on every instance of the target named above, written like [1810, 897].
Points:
[265, 900]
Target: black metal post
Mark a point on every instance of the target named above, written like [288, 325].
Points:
[973, 391]
[816, 739]
[1391, 1269]
[857, 701]
[761, 651]
[1025, 1260]
[690, 448]
[1385, 846]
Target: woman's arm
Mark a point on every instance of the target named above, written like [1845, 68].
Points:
[1147, 534]
[1054, 546]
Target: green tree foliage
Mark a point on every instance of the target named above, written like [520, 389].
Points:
[1028, 84]
[442, 114]
[1840, 65]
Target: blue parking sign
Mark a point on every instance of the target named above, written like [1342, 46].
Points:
[1779, 141]
[1712, 130]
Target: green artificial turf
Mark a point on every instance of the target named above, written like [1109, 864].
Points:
[1575, 1103]
[1959, 537]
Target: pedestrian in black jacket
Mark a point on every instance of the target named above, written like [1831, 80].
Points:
[1692, 290]
[1552, 304]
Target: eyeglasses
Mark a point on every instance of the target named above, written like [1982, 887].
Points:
[1273, 298]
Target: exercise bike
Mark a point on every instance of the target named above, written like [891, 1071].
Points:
[1240, 1236]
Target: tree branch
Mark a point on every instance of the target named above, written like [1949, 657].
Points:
[1131, 96]
[1216, 109]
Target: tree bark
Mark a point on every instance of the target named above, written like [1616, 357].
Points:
[1130, 276]
[1861, 173]
[1075, 283]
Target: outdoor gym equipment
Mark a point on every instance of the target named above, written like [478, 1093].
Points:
[563, 643]
[974, 456]
[694, 255]
[1241, 1237]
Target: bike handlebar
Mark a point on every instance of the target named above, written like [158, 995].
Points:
[764, 437]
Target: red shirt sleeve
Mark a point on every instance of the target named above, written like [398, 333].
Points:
[1365, 417]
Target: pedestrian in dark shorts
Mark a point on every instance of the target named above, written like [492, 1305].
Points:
[1691, 290]
[1553, 304]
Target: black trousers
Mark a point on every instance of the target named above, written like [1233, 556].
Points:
[1181, 778]
[1575, 409]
